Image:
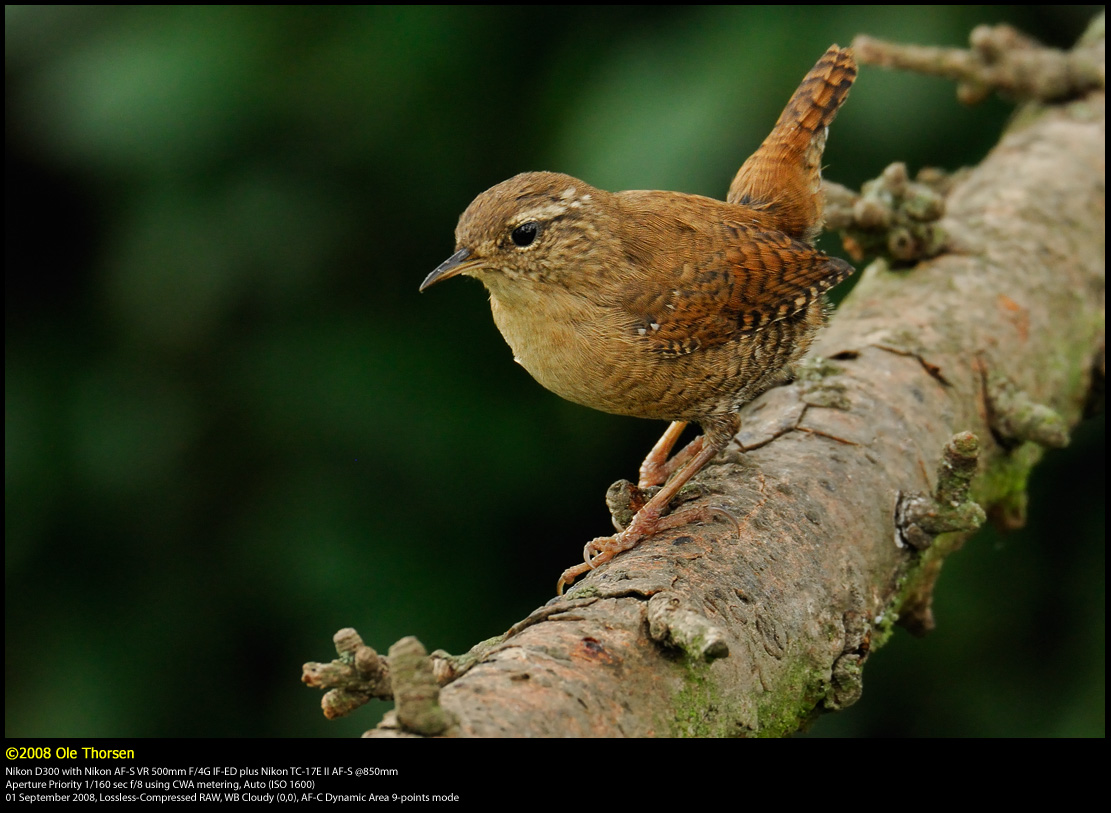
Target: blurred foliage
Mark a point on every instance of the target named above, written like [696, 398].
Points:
[232, 426]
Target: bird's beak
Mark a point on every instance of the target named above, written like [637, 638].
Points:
[455, 264]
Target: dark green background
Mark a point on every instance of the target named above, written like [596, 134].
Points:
[232, 426]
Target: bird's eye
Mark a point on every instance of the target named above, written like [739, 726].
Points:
[525, 234]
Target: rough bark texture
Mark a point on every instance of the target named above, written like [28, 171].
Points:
[706, 631]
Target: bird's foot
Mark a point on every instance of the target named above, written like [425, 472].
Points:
[601, 550]
[645, 523]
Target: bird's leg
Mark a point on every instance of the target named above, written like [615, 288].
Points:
[717, 433]
[656, 468]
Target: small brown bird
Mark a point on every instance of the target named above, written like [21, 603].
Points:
[662, 304]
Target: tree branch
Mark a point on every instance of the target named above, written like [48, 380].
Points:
[852, 482]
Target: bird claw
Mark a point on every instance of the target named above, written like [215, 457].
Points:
[597, 552]
[569, 576]
[601, 550]
[728, 516]
[592, 557]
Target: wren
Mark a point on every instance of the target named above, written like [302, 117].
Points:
[663, 304]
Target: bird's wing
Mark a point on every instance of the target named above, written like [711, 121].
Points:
[710, 296]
